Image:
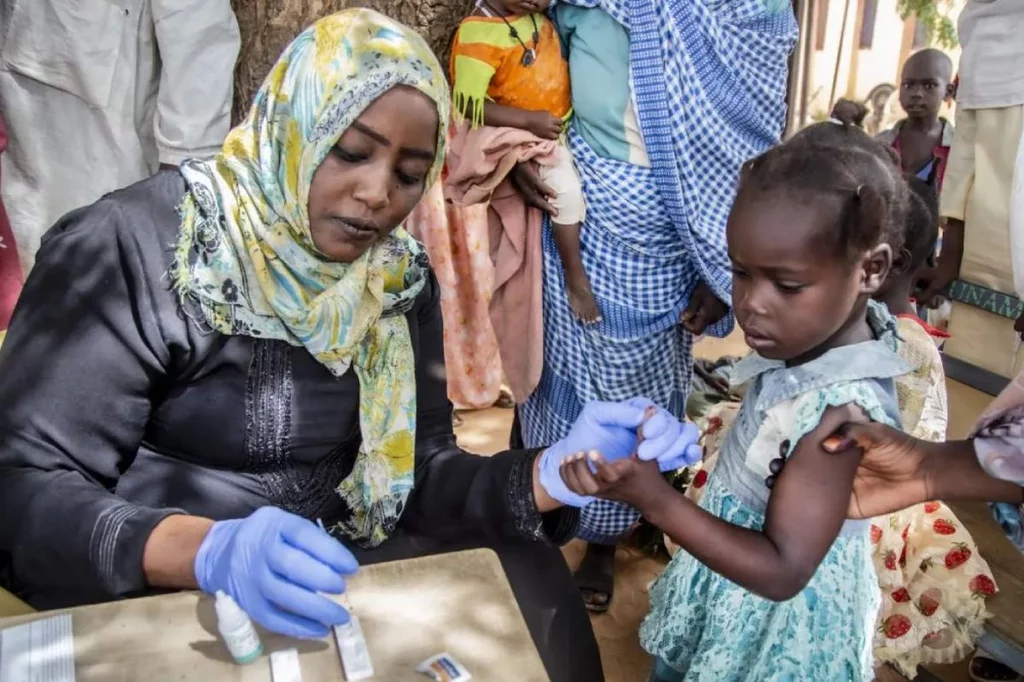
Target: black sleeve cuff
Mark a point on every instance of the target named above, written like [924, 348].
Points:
[556, 527]
[118, 542]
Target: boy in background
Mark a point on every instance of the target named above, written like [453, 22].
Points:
[923, 139]
[977, 194]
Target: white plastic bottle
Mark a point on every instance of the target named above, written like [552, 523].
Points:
[237, 630]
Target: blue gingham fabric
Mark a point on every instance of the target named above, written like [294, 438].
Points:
[642, 276]
[709, 78]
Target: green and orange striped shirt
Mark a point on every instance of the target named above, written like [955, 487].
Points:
[486, 65]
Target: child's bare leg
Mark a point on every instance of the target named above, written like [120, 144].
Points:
[581, 296]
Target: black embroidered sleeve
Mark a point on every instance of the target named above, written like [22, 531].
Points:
[557, 527]
[458, 493]
[83, 353]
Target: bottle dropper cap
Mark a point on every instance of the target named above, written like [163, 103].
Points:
[229, 613]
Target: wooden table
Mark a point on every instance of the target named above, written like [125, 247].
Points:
[409, 610]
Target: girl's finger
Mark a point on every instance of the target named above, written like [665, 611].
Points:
[610, 474]
[569, 475]
[576, 473]
[837, 443]
[584, 477]
[596, 459]
[656, 424]
[673, 445]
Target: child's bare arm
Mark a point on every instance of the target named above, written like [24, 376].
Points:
[805, 512]
[540, 123]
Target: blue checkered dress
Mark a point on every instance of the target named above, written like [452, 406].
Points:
[709, 77]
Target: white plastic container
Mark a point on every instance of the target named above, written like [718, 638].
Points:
[355, 657]
[237, 630]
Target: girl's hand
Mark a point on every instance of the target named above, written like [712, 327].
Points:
[611, 428]
[544, 125]
[536, 194]
[630, 480]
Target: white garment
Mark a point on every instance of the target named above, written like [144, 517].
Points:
[992, 63]
[1017, 221]
[97, 93]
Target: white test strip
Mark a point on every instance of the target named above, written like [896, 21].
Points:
[40, 651]
[284, 666]
[355, 657]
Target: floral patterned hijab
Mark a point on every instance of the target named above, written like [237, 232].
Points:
[246, 263]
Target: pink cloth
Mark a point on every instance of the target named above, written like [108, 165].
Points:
[10, 268]
[479, 161]
[456, 241]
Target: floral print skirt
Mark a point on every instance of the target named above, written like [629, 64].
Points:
[708, 629]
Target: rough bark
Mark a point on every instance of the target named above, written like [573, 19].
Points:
[268, 26]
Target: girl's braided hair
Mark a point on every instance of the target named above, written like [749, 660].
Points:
[841, 165]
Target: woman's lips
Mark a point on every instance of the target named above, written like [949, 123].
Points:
[358, 231]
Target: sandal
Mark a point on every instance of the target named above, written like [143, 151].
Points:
[596, 577]
[985, 669]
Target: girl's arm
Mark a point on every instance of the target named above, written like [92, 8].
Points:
[501, 116]
[805, 512]
[806, 509]
[540, 123]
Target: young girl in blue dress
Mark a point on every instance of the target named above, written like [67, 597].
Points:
[773, 583]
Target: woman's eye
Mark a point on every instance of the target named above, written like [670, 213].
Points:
[348, 157]
[407, 179]
[737, 272]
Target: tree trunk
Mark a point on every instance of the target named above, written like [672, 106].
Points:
[268, 26]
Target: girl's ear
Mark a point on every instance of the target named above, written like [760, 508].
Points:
[901, 263]
[875, 265]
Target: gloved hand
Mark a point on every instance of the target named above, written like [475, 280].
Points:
[672, 442]
[611, 429]
[273, 564]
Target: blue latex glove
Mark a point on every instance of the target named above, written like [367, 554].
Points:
[609, 428]
[672, 442]
[273, 564]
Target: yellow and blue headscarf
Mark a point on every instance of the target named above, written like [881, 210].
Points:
[246, 263]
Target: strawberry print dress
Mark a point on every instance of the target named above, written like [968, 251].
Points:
[933, 580]
[703, 627]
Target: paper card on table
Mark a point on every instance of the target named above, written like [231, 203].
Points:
[40, 651]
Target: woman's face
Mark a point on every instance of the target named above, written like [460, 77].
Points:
[375, 174]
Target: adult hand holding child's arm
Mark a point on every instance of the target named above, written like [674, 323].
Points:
[897, 471]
